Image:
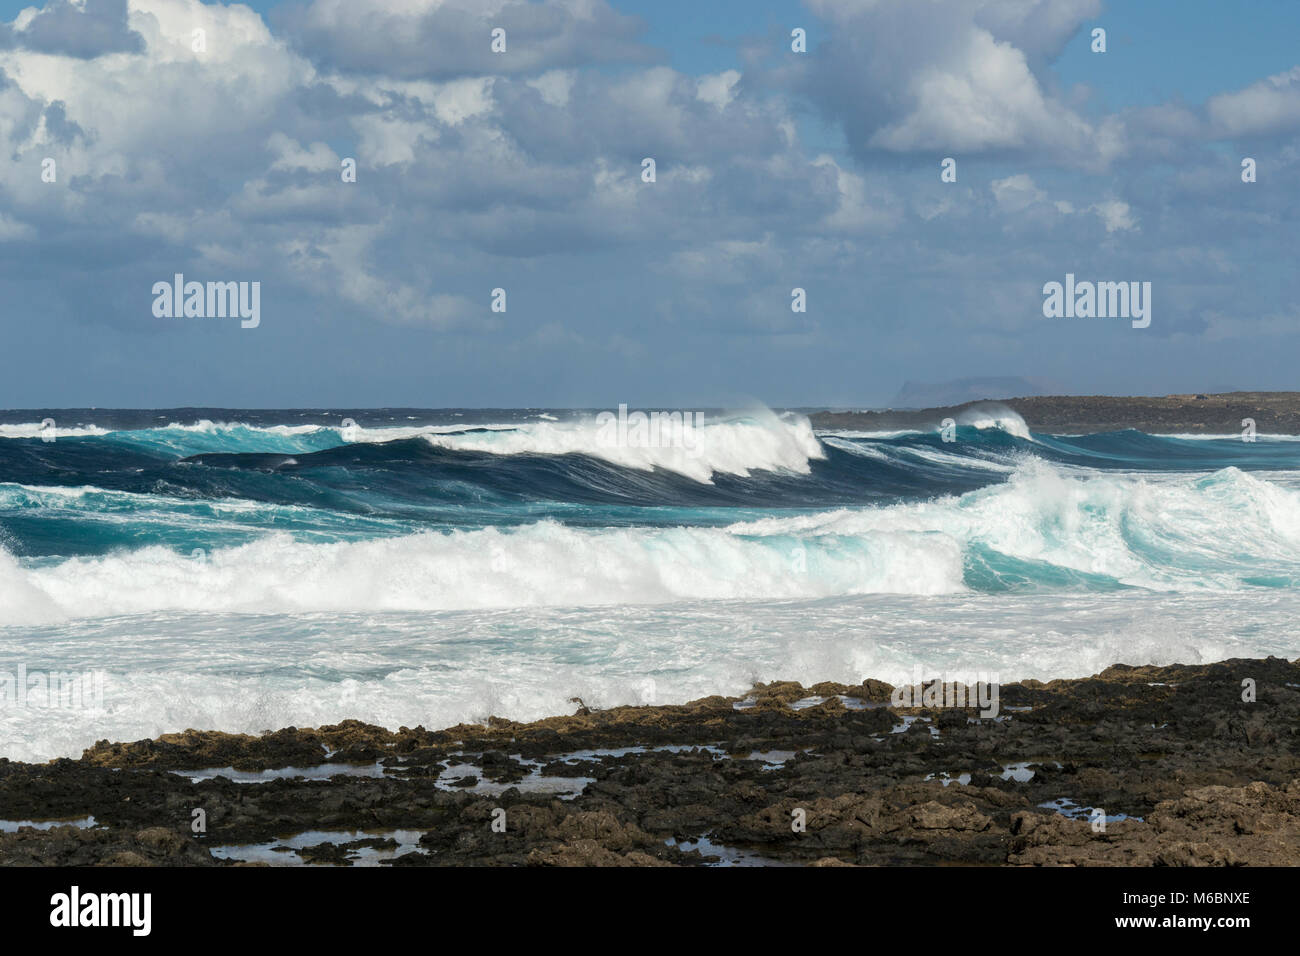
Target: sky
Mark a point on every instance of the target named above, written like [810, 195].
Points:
[522, 171]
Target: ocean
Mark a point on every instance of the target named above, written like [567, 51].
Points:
[248, 570]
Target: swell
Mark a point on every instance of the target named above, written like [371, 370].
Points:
[1045, 528]
[150, 486]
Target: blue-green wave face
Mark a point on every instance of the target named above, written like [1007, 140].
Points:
[733, 501]
[258, 569]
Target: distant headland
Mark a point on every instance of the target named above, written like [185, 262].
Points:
[1209, 414]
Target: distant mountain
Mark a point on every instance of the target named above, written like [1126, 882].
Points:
[962, 390]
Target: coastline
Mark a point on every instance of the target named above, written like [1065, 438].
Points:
[1184, 769]
[1220, 413]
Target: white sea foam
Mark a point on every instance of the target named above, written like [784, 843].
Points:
[982, 418]
[899, 455]
[250, 673]
[537, 565]
[37, 430]
[739, 445]
[233, 429]
[1184, 534]
[209, 427]
[1003, 419]
[1164, 532]
[759, 441]
[443, 627]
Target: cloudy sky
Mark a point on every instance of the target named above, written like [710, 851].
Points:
[522, 170]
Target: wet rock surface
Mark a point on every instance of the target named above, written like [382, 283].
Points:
[1136, 765]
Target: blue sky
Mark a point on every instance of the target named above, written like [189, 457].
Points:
[522, 171]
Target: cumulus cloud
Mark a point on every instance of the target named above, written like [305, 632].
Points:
[982, 98]
[910, 76]
[1272, 105]
[523, 170]
[86, 29]
[1115, 215]
[290, 154]
[445, 38]
[1017, 193]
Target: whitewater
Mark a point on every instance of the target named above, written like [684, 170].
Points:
[248, 570]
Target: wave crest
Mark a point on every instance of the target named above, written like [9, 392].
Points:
[759, 441]
[1046, 526]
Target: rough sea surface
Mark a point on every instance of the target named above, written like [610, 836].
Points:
[246, 570]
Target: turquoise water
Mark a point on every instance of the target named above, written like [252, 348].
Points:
[257, 569]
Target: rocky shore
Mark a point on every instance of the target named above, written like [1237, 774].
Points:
[1184, 770]
[1276, 413]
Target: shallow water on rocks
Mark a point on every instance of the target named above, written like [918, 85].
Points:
[284, 852]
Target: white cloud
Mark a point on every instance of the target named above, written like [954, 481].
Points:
[1016, 193]
[11, 229]
[443, 38]
[384, 141]
[1115, 215]
[984, 98]
[718, 89]
[555, 86]
[232, 161]
[859, 206]
[953, 76]
[290, 154]
[1271, 105]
